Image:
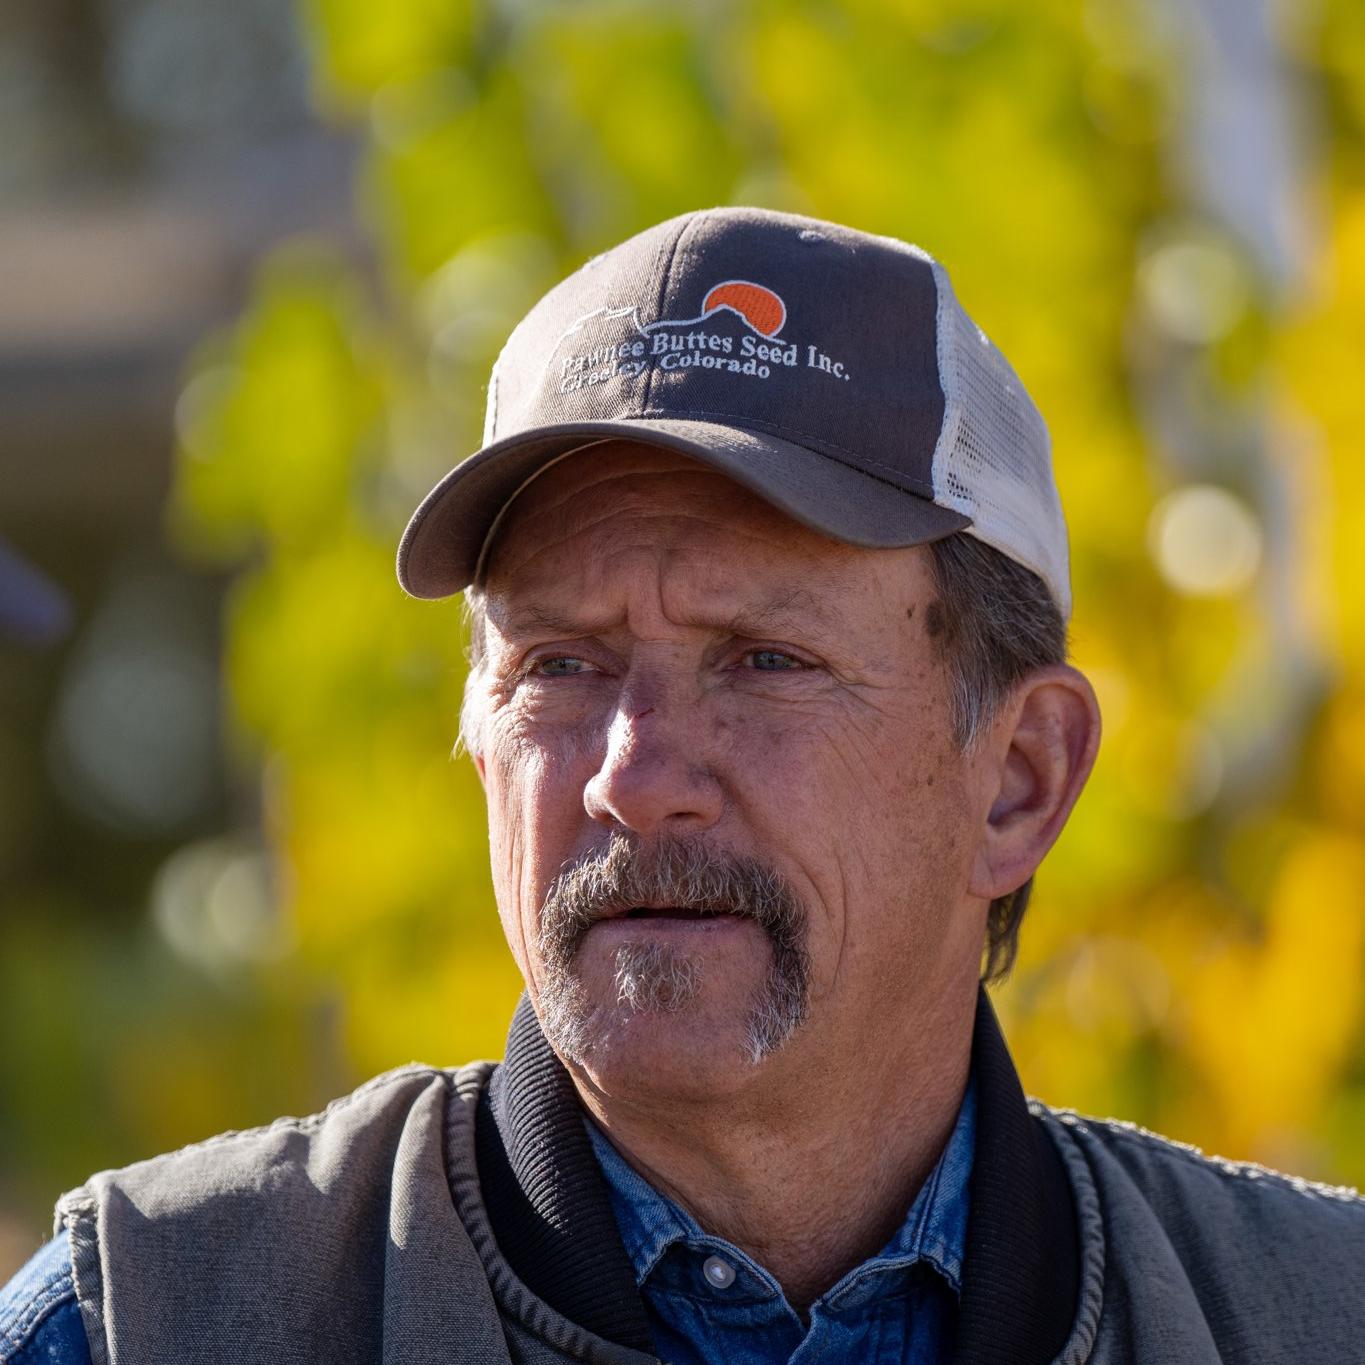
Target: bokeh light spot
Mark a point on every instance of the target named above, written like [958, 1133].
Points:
[1197, 291]
[1205, 541]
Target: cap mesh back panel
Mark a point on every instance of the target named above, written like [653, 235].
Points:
[993, 460]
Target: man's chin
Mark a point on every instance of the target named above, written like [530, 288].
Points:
[685, 1057]
[650, 1040]
[646, 1004]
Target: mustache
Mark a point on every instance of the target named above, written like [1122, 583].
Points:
[687, 874]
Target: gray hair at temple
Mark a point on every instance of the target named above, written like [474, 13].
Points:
[995, 623]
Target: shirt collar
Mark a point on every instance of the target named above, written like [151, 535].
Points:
[933, 1232]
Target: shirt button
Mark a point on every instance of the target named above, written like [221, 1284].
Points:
[719, 1274]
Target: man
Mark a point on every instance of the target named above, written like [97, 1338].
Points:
[768, 586]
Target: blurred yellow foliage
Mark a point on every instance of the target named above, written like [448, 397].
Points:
[1268, 1022]
[1194, 955]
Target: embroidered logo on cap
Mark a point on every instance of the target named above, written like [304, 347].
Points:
[762, 309]
[703, 342]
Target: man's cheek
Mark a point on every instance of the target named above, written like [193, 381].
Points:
[518, 781]
[526, 751]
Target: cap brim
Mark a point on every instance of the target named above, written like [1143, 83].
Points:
[441, 548]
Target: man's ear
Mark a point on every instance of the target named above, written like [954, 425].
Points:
[1043, 745]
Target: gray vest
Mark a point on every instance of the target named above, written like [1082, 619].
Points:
[438, 1217]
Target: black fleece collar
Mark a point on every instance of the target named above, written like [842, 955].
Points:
[551, 1214]
[1020, 1274]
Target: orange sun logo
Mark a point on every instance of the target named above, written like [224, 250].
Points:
[761, 308]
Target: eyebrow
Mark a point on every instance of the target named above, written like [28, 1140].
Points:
[790, 606]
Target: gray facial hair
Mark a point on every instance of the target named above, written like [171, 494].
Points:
[656, 977]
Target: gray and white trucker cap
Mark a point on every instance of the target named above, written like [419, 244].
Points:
[832, 372]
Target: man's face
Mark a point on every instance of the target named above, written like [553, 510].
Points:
[728, 821]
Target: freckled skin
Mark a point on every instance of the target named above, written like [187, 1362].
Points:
[628, 686]
[837, 767]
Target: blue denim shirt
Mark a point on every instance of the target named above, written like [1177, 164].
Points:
[40, 1320]
[710, 1304]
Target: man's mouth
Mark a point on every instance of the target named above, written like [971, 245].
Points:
[671, 912]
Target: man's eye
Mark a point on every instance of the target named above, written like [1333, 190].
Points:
[559, 666]
[773, 660]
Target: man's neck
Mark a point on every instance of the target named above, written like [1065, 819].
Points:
[809, 1184]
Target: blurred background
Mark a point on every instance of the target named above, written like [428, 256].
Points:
[255, 261]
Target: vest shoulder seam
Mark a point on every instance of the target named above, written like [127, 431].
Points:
[1135, 1135]
[72, 1201]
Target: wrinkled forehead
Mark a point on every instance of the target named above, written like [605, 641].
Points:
[622, 498]
[633, 521]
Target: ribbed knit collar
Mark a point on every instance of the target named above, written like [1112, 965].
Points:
[547, 1201]
[1021, 1272]
[551, 1215]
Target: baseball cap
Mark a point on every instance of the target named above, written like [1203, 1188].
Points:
[832, 372]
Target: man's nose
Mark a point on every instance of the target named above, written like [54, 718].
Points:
[654, 777]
